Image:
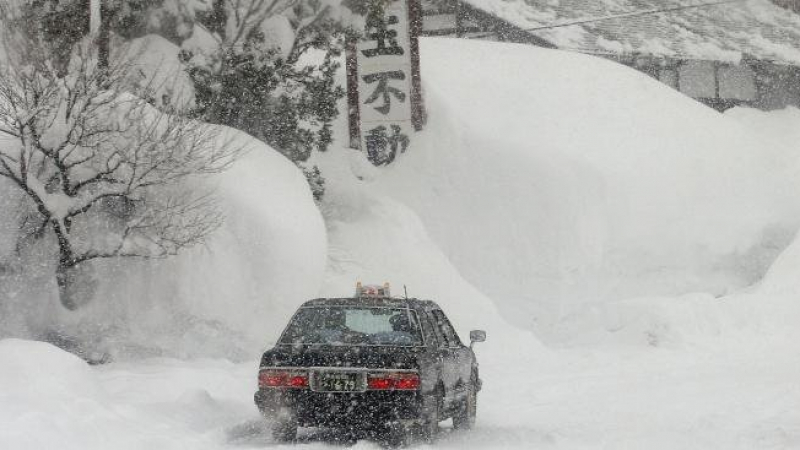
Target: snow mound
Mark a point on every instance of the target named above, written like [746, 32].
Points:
[573, 180]
[782, 276]
[375, 239]
[227, 298]
[238, 291]
[774, 304]
[766, 312]
[37, 368]
[52, 399]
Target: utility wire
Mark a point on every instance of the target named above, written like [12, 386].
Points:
[619, 16]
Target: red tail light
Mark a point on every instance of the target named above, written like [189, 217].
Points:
[409, 382]
[393, 381]
[298, 381]
[273, 378]
[270, 379]
[379, 383]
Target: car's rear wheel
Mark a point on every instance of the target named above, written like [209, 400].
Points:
[430, 422]
[464, 419]
[402, 434]
[284, 430]
[398, 435]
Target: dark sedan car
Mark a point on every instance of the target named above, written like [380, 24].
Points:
[369, 363]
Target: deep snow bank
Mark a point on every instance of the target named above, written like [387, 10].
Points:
[552, 179]
[44, 388]
[36, 368]
[765, 314]
[51, 399]
[375, 239]
[226, 298]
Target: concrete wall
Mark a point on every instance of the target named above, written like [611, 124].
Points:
[760, 84]
[793, 5]
[778, 86]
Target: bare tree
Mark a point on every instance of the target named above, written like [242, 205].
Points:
[106, 172]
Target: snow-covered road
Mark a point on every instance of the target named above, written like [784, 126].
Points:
[702, 398]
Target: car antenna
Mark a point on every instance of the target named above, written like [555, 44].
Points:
[405, 291]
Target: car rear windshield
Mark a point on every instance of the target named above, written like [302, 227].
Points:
[346, 325]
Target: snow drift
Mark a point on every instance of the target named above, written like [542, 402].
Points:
[39, 384]
[52, 399]
[570, 180]
[376, 239]
[575, 180]
[552, 179]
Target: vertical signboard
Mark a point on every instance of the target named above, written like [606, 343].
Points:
[383, 83]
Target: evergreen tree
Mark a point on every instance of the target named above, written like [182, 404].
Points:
[253, 84]
[63, 23]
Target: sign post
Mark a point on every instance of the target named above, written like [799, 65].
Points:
[383, 81]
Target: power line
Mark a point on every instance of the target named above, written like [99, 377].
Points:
[620, 16]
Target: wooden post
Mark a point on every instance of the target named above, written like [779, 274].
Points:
[414, 110]
[95, 17]
[418, 114]
[103, 36]
[458, 14]
[351, 63]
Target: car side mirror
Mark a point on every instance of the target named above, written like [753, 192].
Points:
[476, 336]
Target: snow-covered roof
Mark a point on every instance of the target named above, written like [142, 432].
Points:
[726, 32]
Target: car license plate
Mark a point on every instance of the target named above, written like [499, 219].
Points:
[339, 382]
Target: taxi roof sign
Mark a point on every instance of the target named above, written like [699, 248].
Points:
[372, 290]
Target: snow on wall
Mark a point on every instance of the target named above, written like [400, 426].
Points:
[723, 32]
[552, 179]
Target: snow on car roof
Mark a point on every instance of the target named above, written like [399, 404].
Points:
[368, 301]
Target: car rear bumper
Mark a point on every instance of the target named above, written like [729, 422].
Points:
[340, 409]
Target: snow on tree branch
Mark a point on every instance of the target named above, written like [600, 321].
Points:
[86, 148]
